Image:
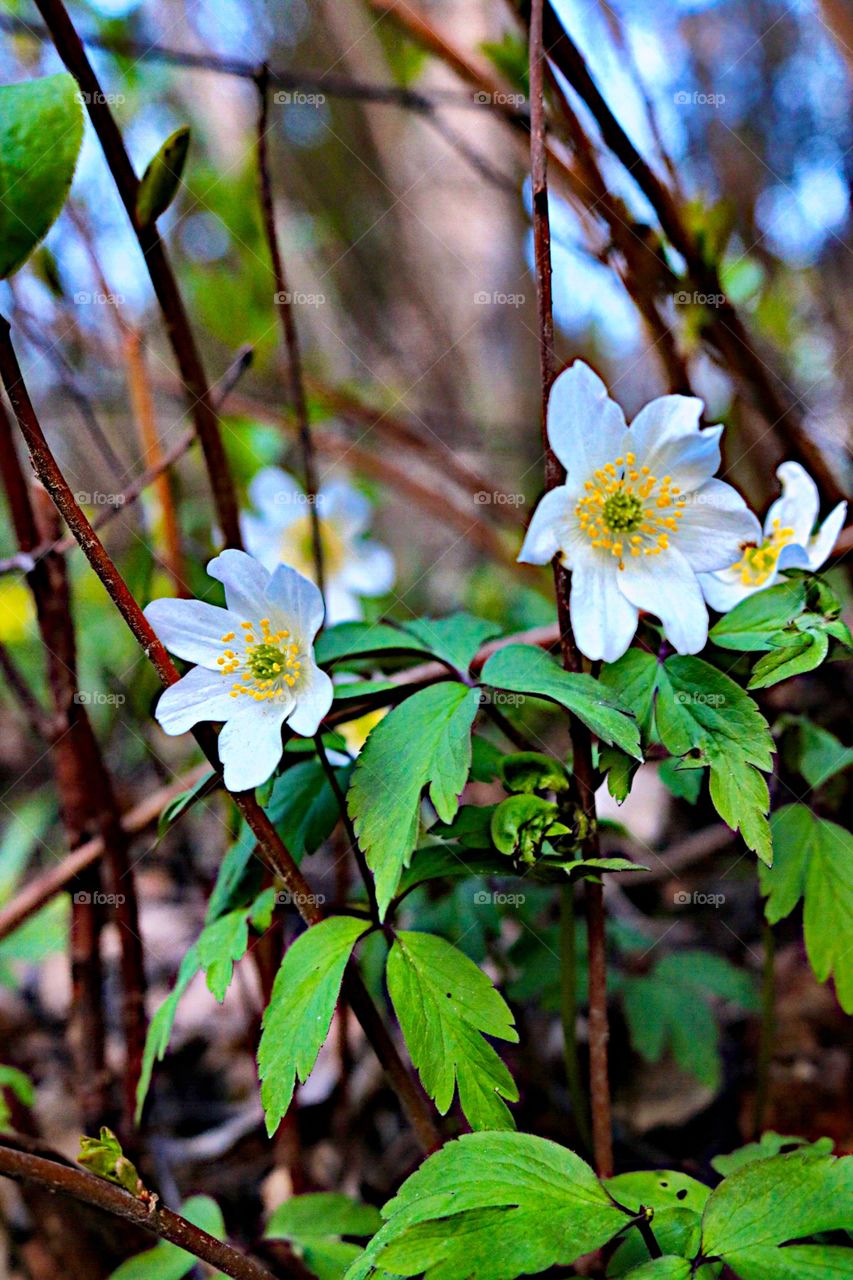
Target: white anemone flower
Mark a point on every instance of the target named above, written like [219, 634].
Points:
[639, 515]
[787, 542]
[281, 533]
[255, 667]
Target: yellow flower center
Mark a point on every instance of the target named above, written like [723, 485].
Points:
[297, 547]
[628, 511]
[757, 564]
[269, 666]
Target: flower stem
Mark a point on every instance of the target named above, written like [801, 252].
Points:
[581, 739]
[569, 1012]
[768, 1029]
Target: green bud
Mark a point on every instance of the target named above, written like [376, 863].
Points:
[160, 181]
[104, 1157]
[530, 771]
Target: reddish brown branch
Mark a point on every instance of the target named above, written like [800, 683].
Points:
[80, 1185]
[200, 405]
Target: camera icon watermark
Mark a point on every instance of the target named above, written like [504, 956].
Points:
[99, 99]
[496, 298]
[499, 99]
[500, 698]
[289, 498]
[683, 98]
[693, 298]
[700, 698]
[98, 899]
[498, 498]
[293, 298]
[296, 98]
[98, 499]
[285, 898]
[489, 897]
[82, 298]
[95, 698]
[681, 898]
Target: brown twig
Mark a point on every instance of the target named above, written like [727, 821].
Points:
[70, 49]
[272, 847]
[356, 848]
[284, 302]
[602, 1138]
[144, 1212]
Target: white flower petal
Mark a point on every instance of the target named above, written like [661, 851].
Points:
[585, 427]
[313, 699]
[262, 540]
[714, 524]
[199, 695]
[820, 546]
[549, 528]
[250, 744]
[190, 629]
[603, 621]
[798, 506]
[666, 586]
[245, 580]
[344, 505]
[666, 437]
[369, 570]
[297, 599]
[277, 497]
[724, 590]
[791, 557]
[341, 605]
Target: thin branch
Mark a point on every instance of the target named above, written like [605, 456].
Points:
[284, 302]
[146, 1213]
[340, 798]
[70, 49]
[602, 1138]
[272, 847]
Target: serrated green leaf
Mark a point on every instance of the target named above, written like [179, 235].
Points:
[445, 1004]
[521, 668]
[455, 639]
[699, 708]
[684, 784]
[304, 807]
[820, 754]
[363, 639]
[41, 128]
[492, 1206]
[159, 184]
[792, 655]
[425, 742]
[770, 1202]
[633, 679]
[298, 1016]
[219, 946]
[741, 797]
[750, 626]
[769, 1144]
[677, 1201]
[313, 1225]
[620, 770]
[813, 860]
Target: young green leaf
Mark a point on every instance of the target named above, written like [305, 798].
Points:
[770, 1202]
[455, 639]
[813, 860]
[818, 754]
[521, 668]
[219, 946]
[104, 1157]
[752, 624]
[426, 741]
[41, 128]
[159, 184]
[445, 1004]
[492, 1206]
[313, 1226]
[741, 797]
[793, 654]
[297, 1019]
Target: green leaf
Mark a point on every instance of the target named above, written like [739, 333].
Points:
[684, 784]
[666, 1268]
[168, 1261]
[297, 1019]
[520, 825]
[19, 1084]
[813, 860]
[160, 1027]
[521, 668]
[363, 639]
[425, 742]
[633, 678]
[820, 755]
[741, 797]
[104, 1157]
[793, 655]
[677, 1201]
[770, 1144]
[303, 806]
[484, 759]
[770, 1202]
[670, 1008]
[180, 803]
[219, 946]
[445, 1004]
[456, 639]
[41, 128]
[313, 1225]
[752, 624]
[159, 184]
[699, 708]
[530, 771]
[492, 1206]
[620, 770]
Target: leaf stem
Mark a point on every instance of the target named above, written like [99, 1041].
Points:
[357, 850]
[569, 1012]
